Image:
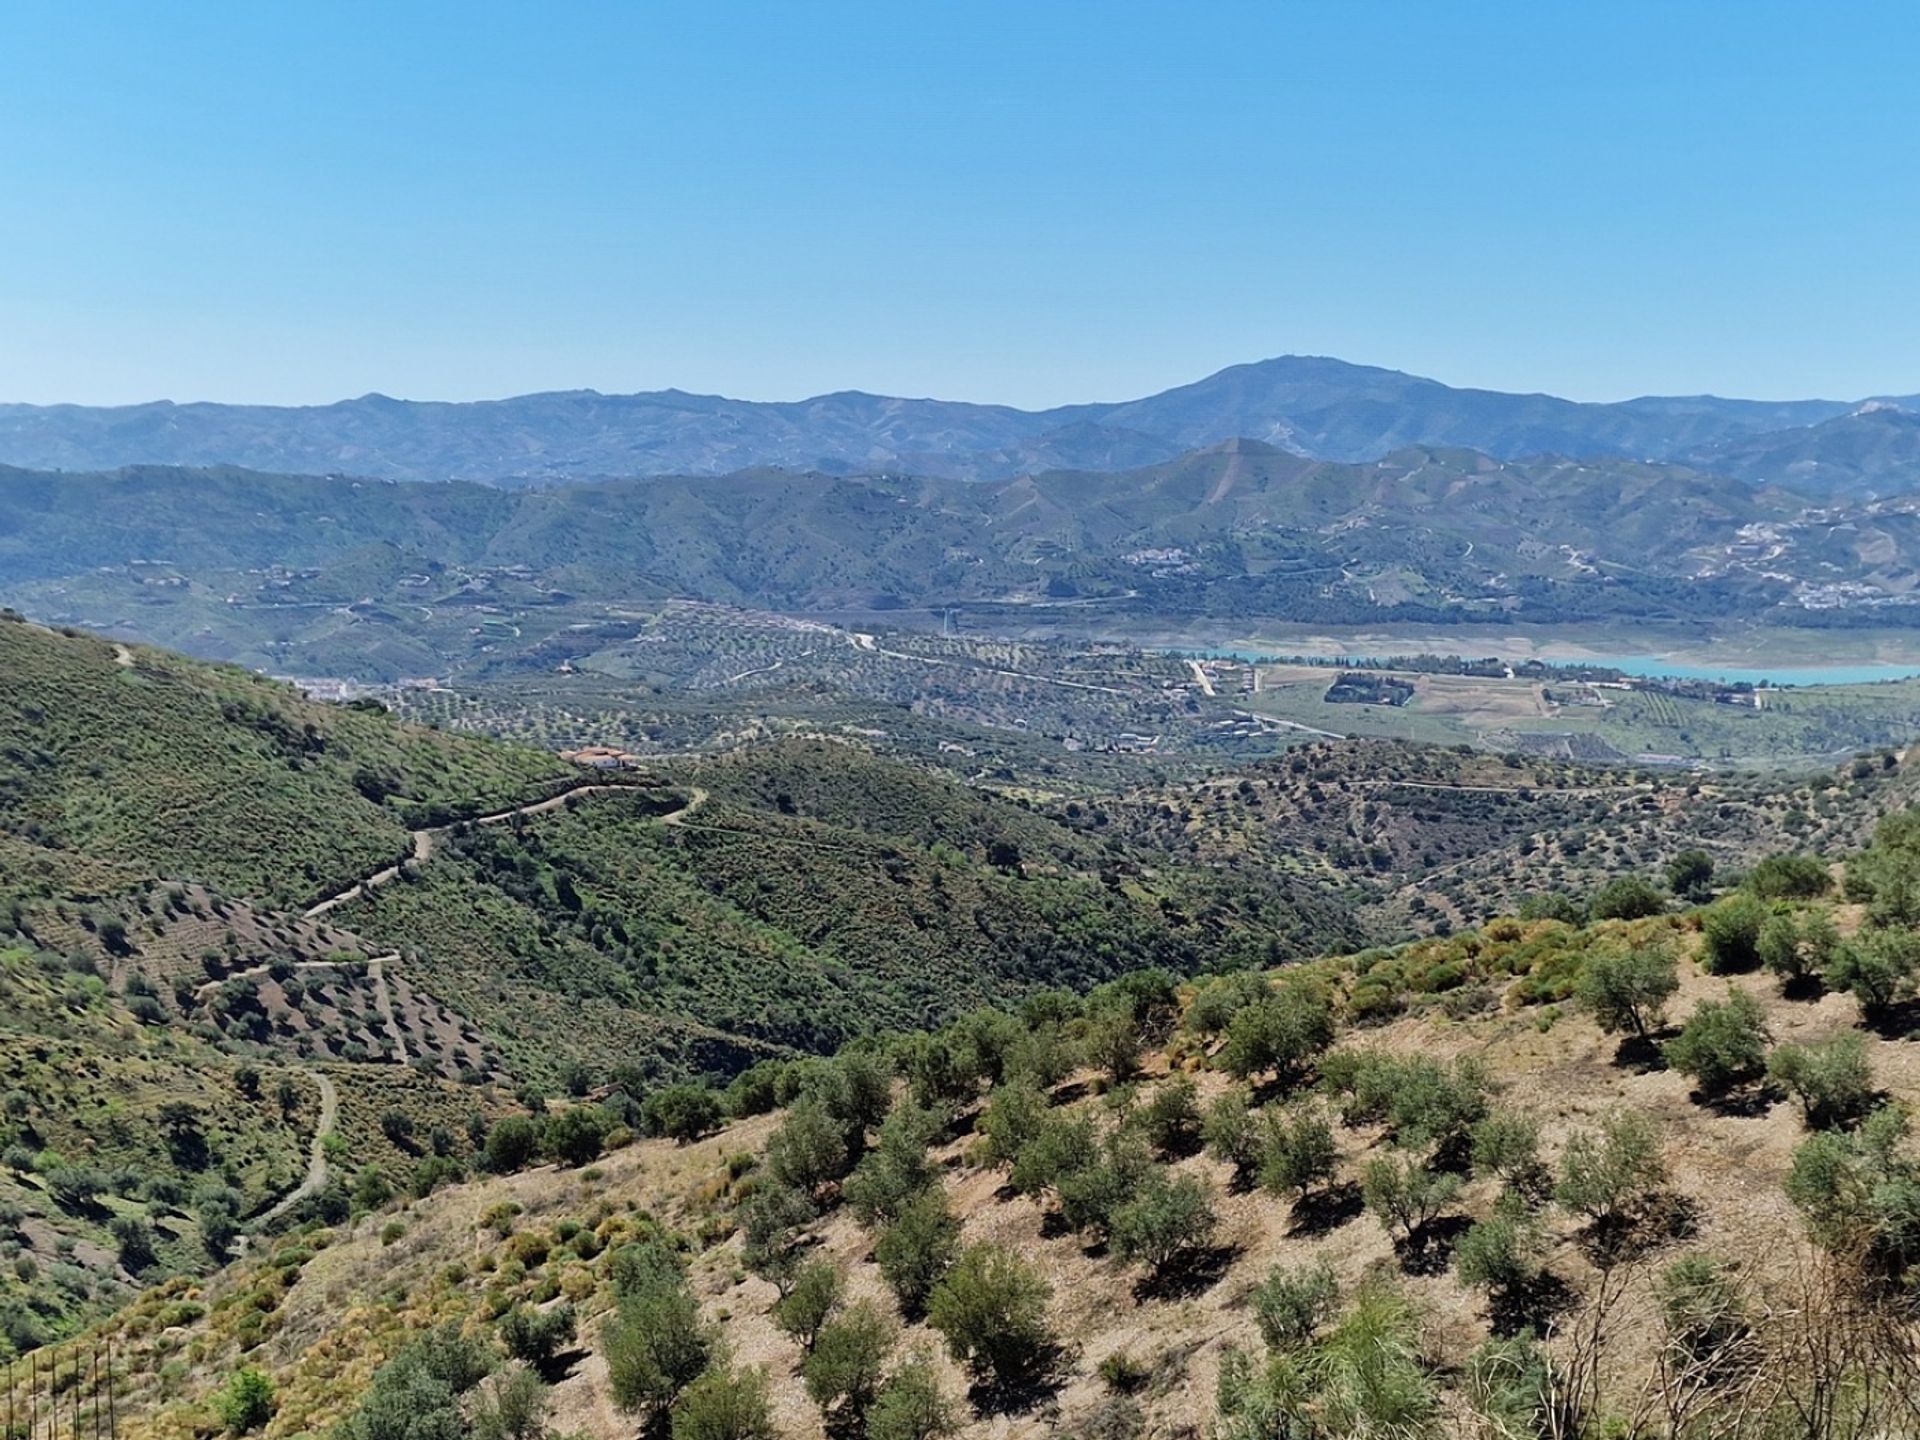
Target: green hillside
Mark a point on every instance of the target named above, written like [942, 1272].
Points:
[817, 893]
[179, 770]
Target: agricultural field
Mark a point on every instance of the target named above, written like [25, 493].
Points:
[1790, 726]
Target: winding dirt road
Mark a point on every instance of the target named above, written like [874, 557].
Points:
[425, 842]
[316, 1155]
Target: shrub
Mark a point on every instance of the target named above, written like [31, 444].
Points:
[1112, 1042]
[754, 1091]
[1168, 1217]
[810, 1302]
[1830, 1078]
[1219, 999]
[1702, 1309]
[1365, 1378]
[896, 1169]
[1875, 968]
[992, 1310]
[418, 1392]
[576, 1135]
[1433, 1104]
[1723, 1044]
[1172, 1117]
[1628, 989]
[915, 1252]
[1404, 1193]
[1298, 1152]
[1513, 1390]
[245, 1402]
[1281, 1034]
[1290, 1306]
[1628, 897]
[1611, 1175]
[655, 1345]
[1797, 951]
[1506, 1145]
[397, 1126]
[771, 1221]
[809, 1151]
[511, 1145]
[1730, 932]
[1015, 1115]
[536, 1336]
[1789, 877]
[847, 1363]
[513, 1407]
[134, 1237]
[682, 1113]
[1501, 1253]
[725, 1405]
[1861, 1192]
[1232, 1135]
[1690, 875]
[910, 1406]
[1090, 1195]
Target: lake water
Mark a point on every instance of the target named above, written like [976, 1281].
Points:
[1655, 668]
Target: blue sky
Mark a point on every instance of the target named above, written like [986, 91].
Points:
[1027, 202]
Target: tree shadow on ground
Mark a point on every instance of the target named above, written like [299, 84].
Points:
[1663, 1220]
[1037, 1381]
[1893, 1022]
[1529, 1307]
[1429, 1249]
[1325, 1211]
[1192, 1274]
[1640, 1053]
[1739, 1102]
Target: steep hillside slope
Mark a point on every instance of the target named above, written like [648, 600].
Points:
[1422, 1193]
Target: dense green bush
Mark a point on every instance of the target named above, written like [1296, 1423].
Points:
[1723, 1044]
[1830, 1078]
[1730, 935]
[1627, 989]
[992, 1310]
[847, 1362]
[809, 1301]
[1406, 1195]
[245, 1402]
[1789, 877]
[1290, 1306]
[1166, 1218]
[1611, 1175]
[910, 1405]
[725, 1405]
[1297, 1152]
[1629, 897]
[917, 1249]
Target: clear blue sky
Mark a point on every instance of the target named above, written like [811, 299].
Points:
[1027, 202]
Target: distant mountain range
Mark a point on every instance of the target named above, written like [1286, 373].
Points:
[1313, 407]
[380, 578]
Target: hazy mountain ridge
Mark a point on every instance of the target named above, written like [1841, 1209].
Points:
[1315, 406]
[203, 557]
[1871, 451]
